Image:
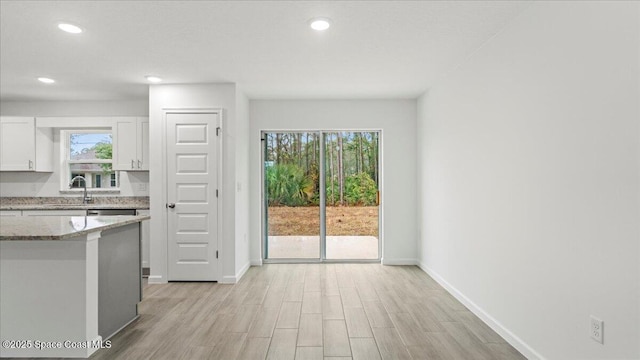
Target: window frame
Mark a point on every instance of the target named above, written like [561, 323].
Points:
[66, 162]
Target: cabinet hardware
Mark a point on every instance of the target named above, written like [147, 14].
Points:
[139, 164]
[30, 165]
[171, 205]
[132, 163]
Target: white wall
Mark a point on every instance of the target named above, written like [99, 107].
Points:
[242, 183]
[396, 119]
[75, 108]
[191, 96]
[529, 180]
[48, 184]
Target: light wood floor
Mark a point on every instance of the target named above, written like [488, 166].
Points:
[308, 311]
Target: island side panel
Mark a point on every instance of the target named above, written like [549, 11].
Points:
[120, 278]
[49, 292]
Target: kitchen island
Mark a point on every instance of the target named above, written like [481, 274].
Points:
[67, 283]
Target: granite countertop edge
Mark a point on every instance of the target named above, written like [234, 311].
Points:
[123, 220]
[74, 207]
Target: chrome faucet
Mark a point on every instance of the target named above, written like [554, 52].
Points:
[85, 198]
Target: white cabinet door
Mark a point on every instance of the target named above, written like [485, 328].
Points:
[131, 143]
[125, 143]
[143, 143]
[17, 144]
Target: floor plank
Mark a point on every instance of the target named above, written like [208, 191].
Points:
[309, 353]
[283, 344]
[264, 322]
[390, 344]
[289, 315]
[254, 348]
[336, 340]
[332, 308]
[364, 349]
[229, 346]
[312, 302]
[357, 323]
[377, 315]
[310, 331]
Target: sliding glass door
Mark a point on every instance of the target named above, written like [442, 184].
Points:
[351, 179]
[291, 188]
[321, 195]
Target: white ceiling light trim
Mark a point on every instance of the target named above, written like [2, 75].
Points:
[46, 80]
[320, 23]
[70, 28]
[153, 79]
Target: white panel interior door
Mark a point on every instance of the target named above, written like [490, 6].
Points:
[192, 173]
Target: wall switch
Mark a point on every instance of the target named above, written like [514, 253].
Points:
[597, 329]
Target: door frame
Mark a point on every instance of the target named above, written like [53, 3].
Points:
[322, 205]
[165, 176]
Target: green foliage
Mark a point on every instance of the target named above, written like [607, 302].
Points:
[104, 151]
[333, 192]
[288, 185]
[360, 189]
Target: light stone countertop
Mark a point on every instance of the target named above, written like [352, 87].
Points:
[73, 203]
[73, 206]
[59, 227]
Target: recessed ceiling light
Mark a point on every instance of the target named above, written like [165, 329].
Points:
[46, 80]
[320, 24]
[70, 28]
[153, 79]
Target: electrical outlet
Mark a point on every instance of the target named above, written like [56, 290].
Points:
[142, 187]
[597, 329]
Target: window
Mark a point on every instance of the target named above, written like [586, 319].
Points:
[88, 153]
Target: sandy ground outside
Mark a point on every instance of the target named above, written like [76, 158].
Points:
[341, 220]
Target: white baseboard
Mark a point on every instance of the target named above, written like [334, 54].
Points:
[387, 261]
[243, 271]
[156, 279]
[257, 262]
[228, 280]
[235, 278]
[494, 324]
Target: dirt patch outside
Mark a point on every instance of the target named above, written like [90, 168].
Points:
[341, 220]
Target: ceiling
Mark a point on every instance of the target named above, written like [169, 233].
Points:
[374, 49]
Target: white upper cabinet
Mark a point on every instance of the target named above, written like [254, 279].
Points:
[23, 146]
[131, 143]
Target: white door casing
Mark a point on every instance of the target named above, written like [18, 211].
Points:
[192, 203]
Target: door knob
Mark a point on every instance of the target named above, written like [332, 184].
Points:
[171, 206]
